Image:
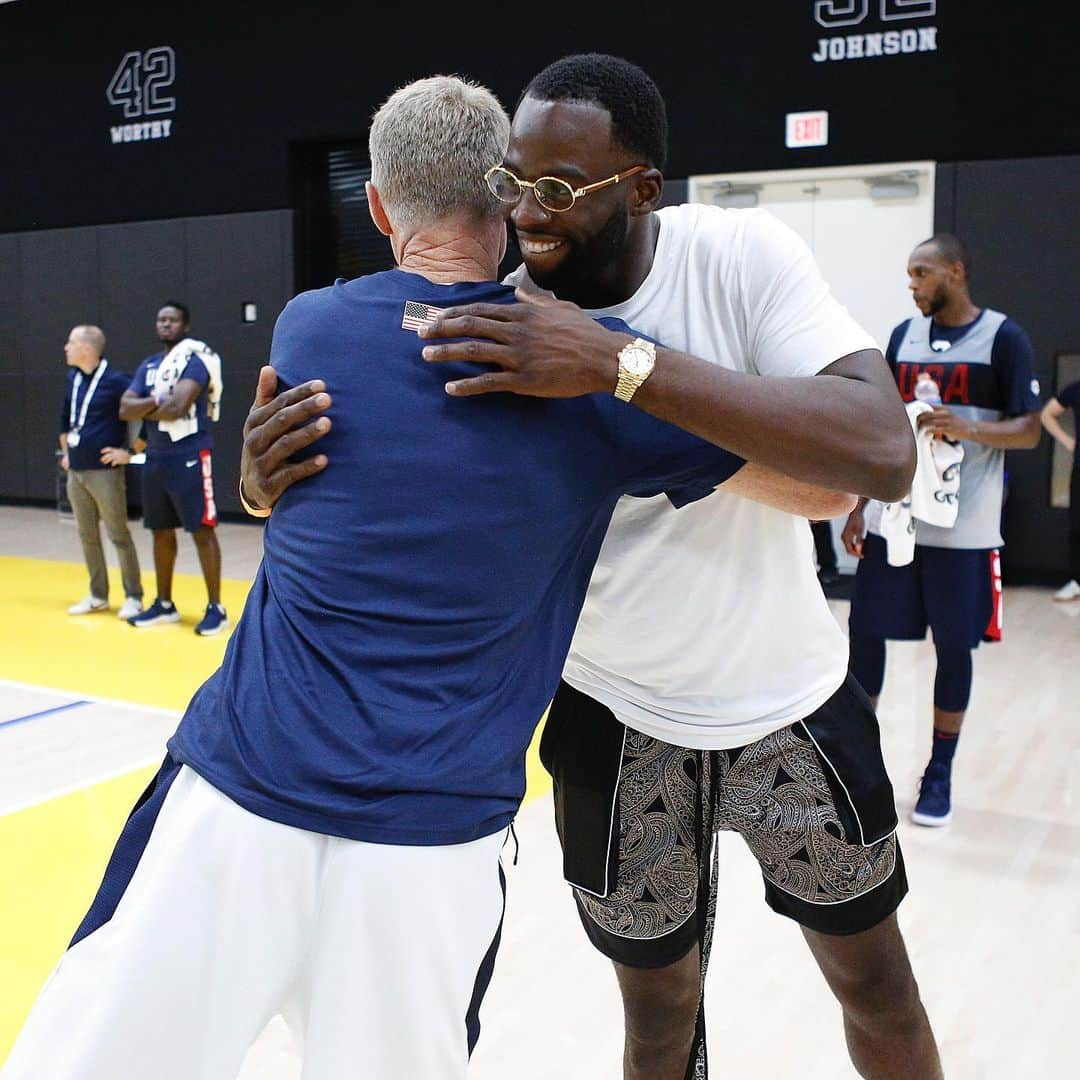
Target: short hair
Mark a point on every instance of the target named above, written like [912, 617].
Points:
[182, 308]
[430, 144]
[951, 248]
[93, 336]
[638, 115]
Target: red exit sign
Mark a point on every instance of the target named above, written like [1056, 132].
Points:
[807, 129]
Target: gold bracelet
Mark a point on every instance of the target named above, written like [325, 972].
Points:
[254, 511]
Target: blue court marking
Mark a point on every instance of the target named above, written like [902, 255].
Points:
[44, 712]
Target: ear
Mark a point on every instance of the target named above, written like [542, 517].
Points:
[504, 240]
[646, 192]
[376, 208]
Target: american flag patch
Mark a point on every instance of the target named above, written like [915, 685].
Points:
[417, 315]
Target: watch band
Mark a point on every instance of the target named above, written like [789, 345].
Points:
[626, 386]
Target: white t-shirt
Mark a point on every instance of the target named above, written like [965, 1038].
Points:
[706, 626]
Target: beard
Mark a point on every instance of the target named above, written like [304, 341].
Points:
[582, 274]
[937, 301]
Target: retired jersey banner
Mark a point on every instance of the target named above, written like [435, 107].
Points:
[872, 29]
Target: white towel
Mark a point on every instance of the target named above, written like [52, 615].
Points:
[169, 373]
[935, 491]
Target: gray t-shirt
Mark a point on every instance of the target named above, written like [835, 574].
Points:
[985, 371]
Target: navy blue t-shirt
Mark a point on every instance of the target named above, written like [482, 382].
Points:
[101, 426]
[1069, 396]
[159, 441]
[415, 603]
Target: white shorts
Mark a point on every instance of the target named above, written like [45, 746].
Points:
[376, 955]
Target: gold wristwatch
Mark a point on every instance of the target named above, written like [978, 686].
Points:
[636, 363]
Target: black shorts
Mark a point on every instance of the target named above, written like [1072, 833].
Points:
[178, 490]
[813, 802]
[949, 590]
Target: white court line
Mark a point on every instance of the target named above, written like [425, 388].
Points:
[82, 785]
[48, 794]
[91, 697]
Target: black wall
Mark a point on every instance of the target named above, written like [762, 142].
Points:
[117, 276]
[251, 80]
[1021, 220]
[203, 215]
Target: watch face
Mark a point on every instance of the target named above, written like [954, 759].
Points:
[636, 361]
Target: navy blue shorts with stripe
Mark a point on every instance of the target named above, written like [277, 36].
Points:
[178, 491]
[948, 590]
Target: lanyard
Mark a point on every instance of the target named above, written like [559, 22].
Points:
[72, 426]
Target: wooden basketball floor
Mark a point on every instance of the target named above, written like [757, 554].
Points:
[992, 920]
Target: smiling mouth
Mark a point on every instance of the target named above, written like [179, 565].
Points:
[538, 247]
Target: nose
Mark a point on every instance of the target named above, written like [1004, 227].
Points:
[527, 212]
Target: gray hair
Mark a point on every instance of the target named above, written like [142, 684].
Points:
[92, 336]
[430, 144]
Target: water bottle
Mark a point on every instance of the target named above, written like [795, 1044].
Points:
[927, 389]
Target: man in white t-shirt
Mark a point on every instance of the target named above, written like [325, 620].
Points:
[707, 683]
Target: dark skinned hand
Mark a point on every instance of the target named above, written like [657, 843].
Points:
[854, 533]
[539, 347]
[942, 422]
[275, 429]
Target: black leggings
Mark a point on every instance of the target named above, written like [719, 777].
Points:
[952, 684]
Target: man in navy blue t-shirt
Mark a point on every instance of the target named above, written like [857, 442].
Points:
[323, 838]
[93, 453]
[175, 393]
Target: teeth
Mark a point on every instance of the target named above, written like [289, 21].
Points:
[536, 247]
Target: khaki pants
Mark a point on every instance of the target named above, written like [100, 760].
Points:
[101, 495]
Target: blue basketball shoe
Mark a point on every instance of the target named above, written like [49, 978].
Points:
[213, 622]
[934, 807]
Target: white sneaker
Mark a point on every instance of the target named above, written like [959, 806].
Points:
[130, 608]
[88, 605]
[1069, 591]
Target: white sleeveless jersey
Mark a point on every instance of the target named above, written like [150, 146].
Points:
[706, 626]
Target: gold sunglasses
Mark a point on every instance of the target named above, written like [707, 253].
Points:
[551, 192]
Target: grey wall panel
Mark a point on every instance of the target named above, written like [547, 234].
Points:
[43, 394]
[233, 260]
[12, 436]
[117, 276]
[59, 289]
[141, 266]
[945, 199]
[10, 319]
[228, 437]
[1021, 219]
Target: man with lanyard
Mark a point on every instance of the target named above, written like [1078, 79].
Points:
[983, 364]
[707, 683]
[178, 485]
[93, 449]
